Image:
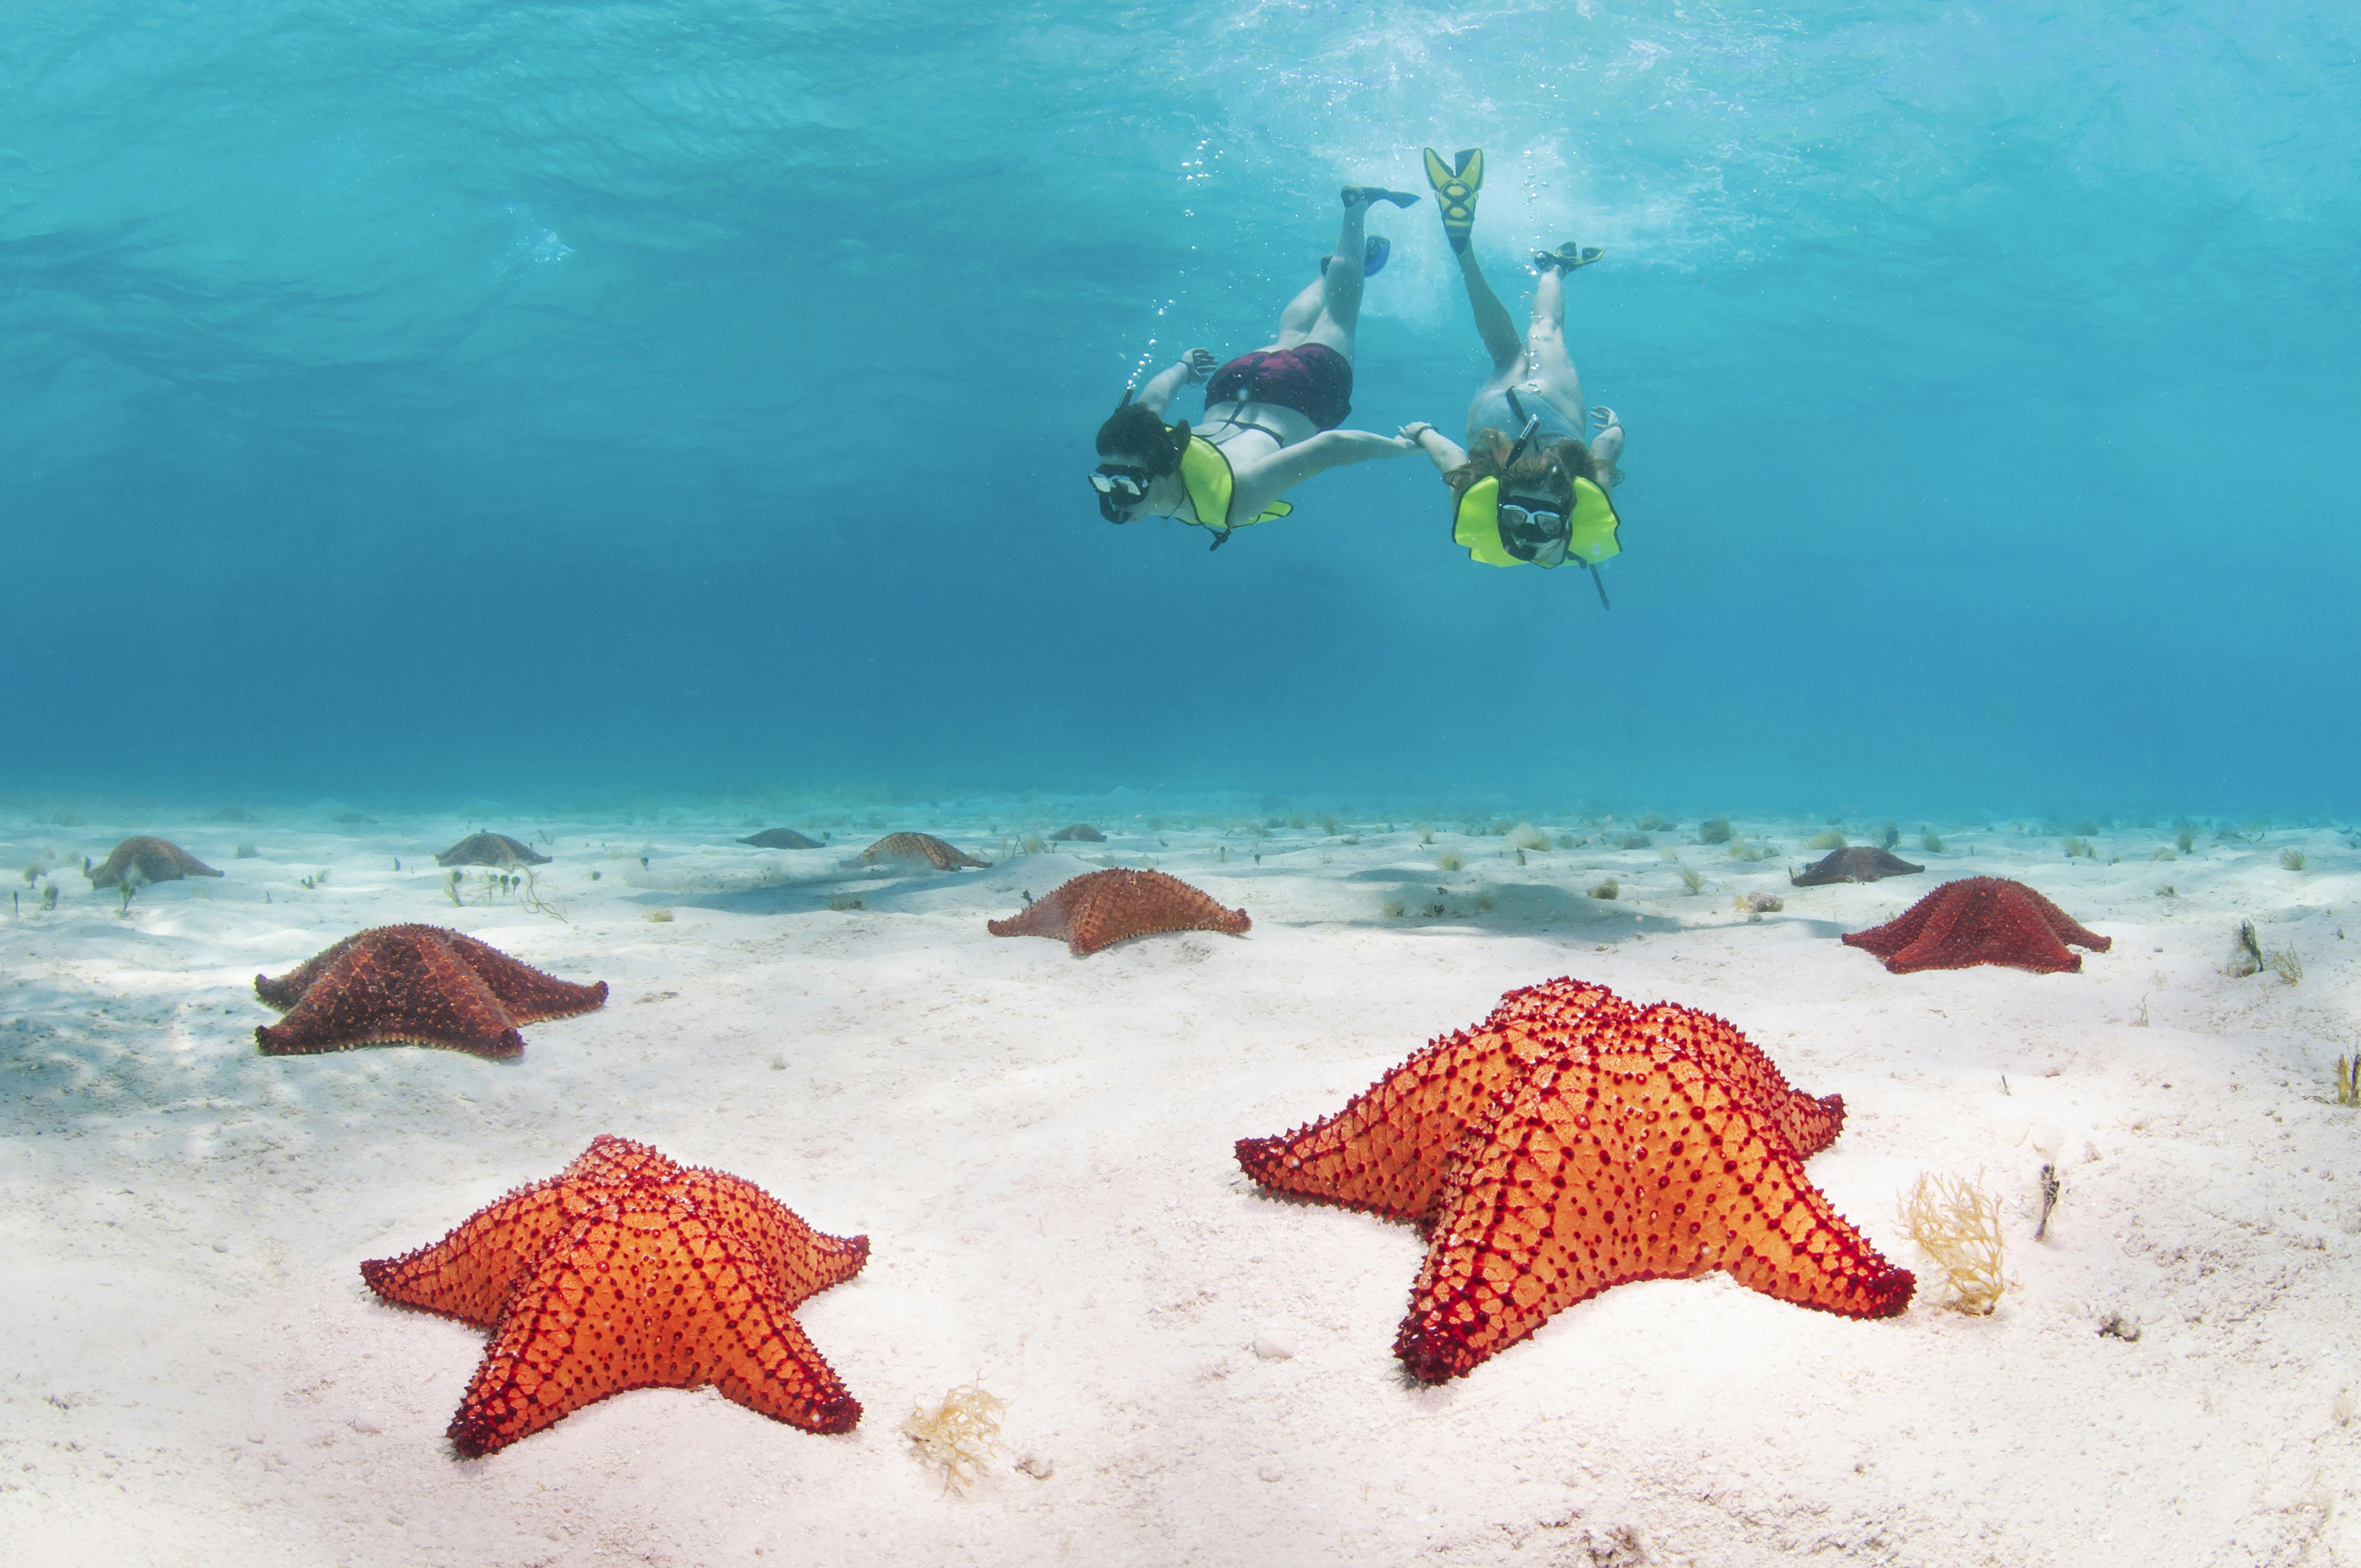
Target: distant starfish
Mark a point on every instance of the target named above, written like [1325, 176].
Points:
[1859, 863]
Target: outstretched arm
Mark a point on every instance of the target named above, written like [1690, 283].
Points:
[1440, 449]
[1261, 483]
[1605, 446]
[1193, 366]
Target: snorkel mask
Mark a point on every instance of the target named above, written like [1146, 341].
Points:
[1119, 485]
[1539, 535]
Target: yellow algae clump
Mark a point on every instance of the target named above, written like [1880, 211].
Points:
[959, 1434]
[1956, 1223]
[1451, 861]
[1830, 839]
[1525, 836]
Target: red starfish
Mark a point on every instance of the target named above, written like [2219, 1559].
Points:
[1980, 920]
[629, 1271]
[1574, 1142]
[924, 846]
[1099, 909]
[417, 985]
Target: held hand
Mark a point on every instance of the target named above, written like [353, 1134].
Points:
[1414, 430]
[1199, 363]
[1605, 417]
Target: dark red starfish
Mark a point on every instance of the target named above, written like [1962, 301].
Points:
[1099, 909]
[1980, 920]
[1862, 863]
[414, 985]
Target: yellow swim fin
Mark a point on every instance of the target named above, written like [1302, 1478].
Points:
[1454, 191]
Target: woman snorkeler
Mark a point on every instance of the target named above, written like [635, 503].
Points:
[1532, 485]
[1271, 416]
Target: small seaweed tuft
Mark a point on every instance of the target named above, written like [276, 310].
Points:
[1451, 861]
[1714, 831]
[1525, 836]
[2165, 852]
[2075, 846]
[1956, 1223]
[1931, 841]
[1830, 838]
[1692, 880]
[2348, 1079]
[1890, 834]
[1568, 842]
[1395, 908]
[2291, 859]
[959, 1434]
[1610, 888]
[1634, 841]
[842, 902]
[1742, 850]
[2185, 840]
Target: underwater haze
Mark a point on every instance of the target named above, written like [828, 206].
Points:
[440, 399]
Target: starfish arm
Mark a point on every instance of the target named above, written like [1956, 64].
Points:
[470, 1273]
[288, 990]
[1388, 1152]
[644, 1292]
[528, 995]
[802, 1262]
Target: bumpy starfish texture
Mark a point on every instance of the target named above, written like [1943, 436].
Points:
[1859, 863]
[1980, 920]
[490, 849]
[1079, 833]
[414, 985]
[1573, 1141]
[627, 1271]
[780, 839]
[924, 846]
[149, 860]
[1099, 909]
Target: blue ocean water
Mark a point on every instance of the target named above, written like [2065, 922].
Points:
[440, 399]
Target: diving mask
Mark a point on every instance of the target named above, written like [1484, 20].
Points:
[1539, 535]
[1119, 485]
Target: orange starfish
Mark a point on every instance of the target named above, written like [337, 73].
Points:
[1573, 1141]
[1099, 909]
[924, 847]
[414, 985]
[627, 1271]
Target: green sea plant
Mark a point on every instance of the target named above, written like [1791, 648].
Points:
[49, 898]
[1651, 823]
[2165, 852]
[1830, 838]
[1525, 836]
[2073, 847]
[1742, 850]
[1889, 835]
[1610, 888]
[1293, 822]
[2348, 1079]
[246, 852]
[1931, 841]
[2284, 962]
[1692, 880]
[1395, 908]
[2291, 859]
[843, 902]
[1634, 841]
[451, 886]
[958, 1435]
[1485, 901]
[2246, 953]
[1956, 1223]
[659, 915]
[2187, 840]
[1329, 824]
[1568, 842]
[1714, 831]
[2086, 828]
[1451, 861]
[1425, 834]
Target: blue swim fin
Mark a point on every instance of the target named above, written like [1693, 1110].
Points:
[1373, 259]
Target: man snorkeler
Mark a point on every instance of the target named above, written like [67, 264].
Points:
[1532, 485]
[1271, 416]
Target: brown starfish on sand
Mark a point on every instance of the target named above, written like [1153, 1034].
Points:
[149, 860]
[1859, 863]
[924, 846]
[1079, 833]
[1981, 920]
[1099, 909]
[490, 849]
[414, 985]
[780, 839]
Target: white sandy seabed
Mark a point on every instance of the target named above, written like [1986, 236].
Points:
[1039, 1148]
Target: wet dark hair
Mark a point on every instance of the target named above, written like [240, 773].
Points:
[1132, 430]
[1540, 470]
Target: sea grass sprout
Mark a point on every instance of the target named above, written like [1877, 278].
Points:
[1484, 900]
[1634, 841]
[2075, 846]
[2291, 859]
[1741, 850]
[2187, 841]
[1451, 861]
[1692, 880]
[1714, 831]
[1956, 1222]
[1425, 834]
[1610, 888]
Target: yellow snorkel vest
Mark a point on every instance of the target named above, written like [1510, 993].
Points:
[1205, 473]
[1591, 536]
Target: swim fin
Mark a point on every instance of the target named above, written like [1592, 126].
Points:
[1455, 186]
[1375, 194]
[1373, 259]
[1566, 257]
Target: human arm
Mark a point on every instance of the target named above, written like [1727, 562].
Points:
[1260, 483]
[1441, 450]
[1606, 447]
[1193, 366]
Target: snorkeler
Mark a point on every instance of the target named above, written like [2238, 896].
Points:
[1532, 485]
[1271, 416]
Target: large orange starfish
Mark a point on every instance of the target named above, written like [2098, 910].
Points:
[1573, 1141]
[1099, 909]
[627, 1271]
[415, 985]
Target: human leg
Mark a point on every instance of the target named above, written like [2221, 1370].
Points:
[1549, 364]
[1493, 323]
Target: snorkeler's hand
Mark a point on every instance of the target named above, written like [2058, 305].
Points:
[1414, 430]
[1199, 364]
[1604, 417]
